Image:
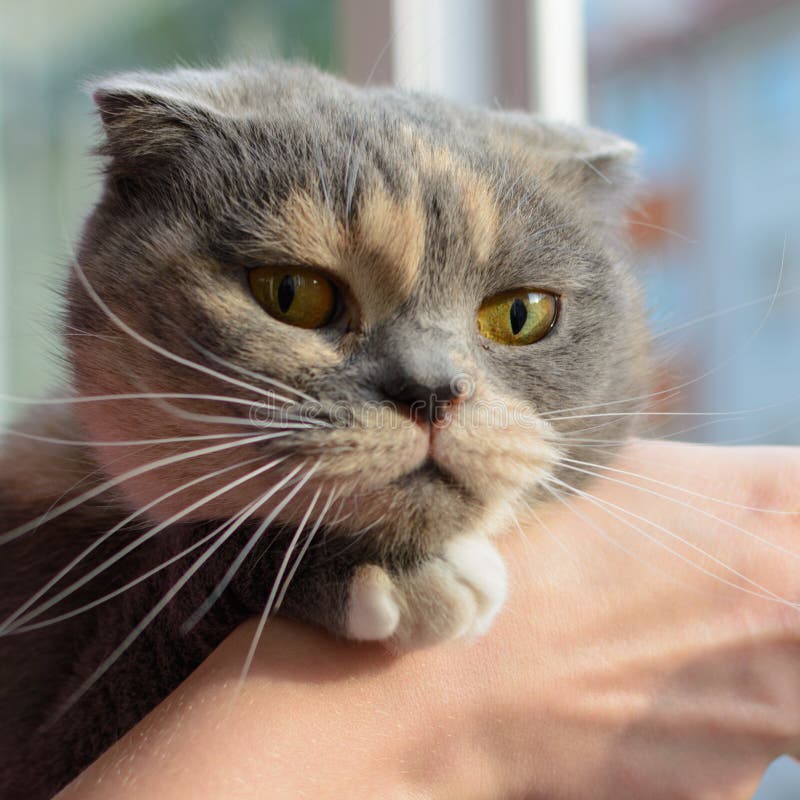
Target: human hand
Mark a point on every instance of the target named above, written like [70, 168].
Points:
[652, 682]
[603, 677]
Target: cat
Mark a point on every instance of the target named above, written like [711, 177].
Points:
[323, 345]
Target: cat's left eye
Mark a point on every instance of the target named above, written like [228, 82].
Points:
[305, 298]
[519, 317]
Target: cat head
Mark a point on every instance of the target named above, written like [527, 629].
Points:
[364, 297]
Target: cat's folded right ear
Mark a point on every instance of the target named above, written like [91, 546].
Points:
[147, 124]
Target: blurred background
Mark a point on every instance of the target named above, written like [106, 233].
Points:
[710, 90]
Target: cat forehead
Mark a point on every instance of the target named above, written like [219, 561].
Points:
[397, 214]
[391, 217]
[393, 191]
[389, 204]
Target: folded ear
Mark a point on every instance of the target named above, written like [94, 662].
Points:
[592, 167]
[149, 120]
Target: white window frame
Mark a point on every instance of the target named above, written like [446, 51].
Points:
[557, 59]
[447, 47]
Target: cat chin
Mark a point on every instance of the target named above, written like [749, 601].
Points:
[421, 511]
[430, 476]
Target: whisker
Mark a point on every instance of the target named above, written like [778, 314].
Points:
[660, 228]
[252, 374]
[156, 348]
[155, 611]
[135, 582]
[72, 330]
[104, 398]
[63, 508]
[764, 593]
[145, 537]
[621, 455]
[353, 538]
[245, 551]
[612, 420]
[730, 310]
[293, 421]
[546, 528]
[96, 473]
[760, 436]
[35, 437]
[338, 517]
[683, 504]
[707, 373]
[666, 437]
[107, 535]
[681, 489]
[741, 412]
[606, 536]
[275, 588]
[304, 549]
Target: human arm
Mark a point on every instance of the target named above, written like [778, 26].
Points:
[603, 677]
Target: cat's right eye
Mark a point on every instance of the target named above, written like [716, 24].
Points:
[305, 298]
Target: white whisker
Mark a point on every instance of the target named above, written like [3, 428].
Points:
[254, 375]
[760, 539]
[287, 421]
[764, 593]
[546, 528]
[707, 373]
[680, 489]
[127, 587]
[306, 545]
[35, 437]
[730, 310]
[605, 535]
[108, 534]
[105, 398]
[156, 348]
[354, 537]
[251, 543]
[63, 508]
[145, 537]
[741, 412]
[158, 608]
[276, 586]
[569, 435]
[653, 227]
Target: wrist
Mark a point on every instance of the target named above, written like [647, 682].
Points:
[417, 725]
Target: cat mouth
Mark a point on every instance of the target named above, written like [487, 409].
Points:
[432, 472]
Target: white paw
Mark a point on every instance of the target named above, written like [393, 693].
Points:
[372, 612]
[457, 593]
[477, 564]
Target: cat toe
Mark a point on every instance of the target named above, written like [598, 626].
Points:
[372, 613]
[477, 564]
[454, 595]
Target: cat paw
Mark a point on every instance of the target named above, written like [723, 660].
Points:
[454, 594]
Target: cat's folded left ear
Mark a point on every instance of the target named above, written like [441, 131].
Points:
[594, 167]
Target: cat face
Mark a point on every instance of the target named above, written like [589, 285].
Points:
[370, 295]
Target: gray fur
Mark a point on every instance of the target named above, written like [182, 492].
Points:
[200, 169]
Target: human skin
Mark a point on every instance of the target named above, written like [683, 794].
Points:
[610, 673]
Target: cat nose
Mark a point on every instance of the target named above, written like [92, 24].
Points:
[426, 403]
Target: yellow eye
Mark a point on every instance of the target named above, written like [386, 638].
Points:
[520, 316]
[301, 297]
